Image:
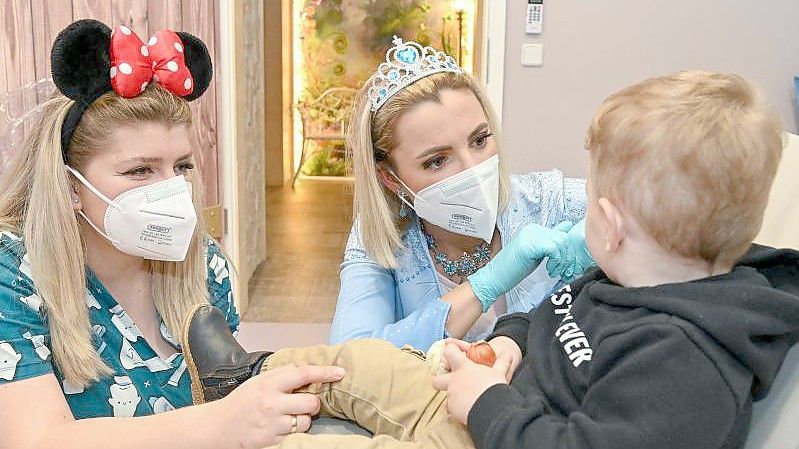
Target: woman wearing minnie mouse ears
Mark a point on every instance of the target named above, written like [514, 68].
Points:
[98, 231]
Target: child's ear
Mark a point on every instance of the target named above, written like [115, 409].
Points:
[613, 220]
[387, 179]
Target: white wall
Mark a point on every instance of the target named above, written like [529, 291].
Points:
[594, 47]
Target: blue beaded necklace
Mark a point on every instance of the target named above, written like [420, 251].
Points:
[463, 266]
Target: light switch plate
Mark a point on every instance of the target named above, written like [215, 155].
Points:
[532, 55]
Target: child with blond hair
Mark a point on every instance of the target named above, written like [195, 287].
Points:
[666, 345]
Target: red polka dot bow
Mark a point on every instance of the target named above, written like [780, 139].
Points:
[134, 65]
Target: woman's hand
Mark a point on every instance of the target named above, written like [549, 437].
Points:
[577, 253]
[259, 412]
[520, 257]
[506, 348]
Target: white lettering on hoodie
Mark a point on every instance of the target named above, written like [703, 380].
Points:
[575, 344]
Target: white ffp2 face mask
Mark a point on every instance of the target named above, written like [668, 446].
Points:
[465, 203]
[155, 221]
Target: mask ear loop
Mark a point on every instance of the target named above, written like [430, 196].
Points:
[401, 196]
[94, 190]
[89, 186]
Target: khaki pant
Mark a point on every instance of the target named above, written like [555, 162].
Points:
[386, 390]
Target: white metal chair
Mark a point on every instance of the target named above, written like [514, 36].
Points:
[324, 119]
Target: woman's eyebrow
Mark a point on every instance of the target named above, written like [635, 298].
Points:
[432, 150]
[144, 159]
[478, 130]
[152, 160]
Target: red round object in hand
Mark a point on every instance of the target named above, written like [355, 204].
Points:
[482, 353]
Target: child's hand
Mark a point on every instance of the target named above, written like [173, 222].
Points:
[467, 381]
[436, 362]
[505, 347]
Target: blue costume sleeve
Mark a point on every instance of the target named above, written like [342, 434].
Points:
[575, 199]
[367, 305]
[546, 198]
[220, 294]
[24, 336]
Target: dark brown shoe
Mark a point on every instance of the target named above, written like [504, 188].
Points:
[216, 361]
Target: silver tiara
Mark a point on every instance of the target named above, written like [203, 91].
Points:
[406, 63]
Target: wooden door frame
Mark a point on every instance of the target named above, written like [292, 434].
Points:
[227, 138]
[492, 52]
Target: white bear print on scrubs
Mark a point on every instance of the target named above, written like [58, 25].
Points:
[10, 235]
[38, 344]
[100, 331]
[8, 361]
[160, 405]
[129, 357]
[168, 335]
[70, 388]
[124, 323]
[124, 397]
[25, 266]
[91, 301]
[219, 267]
[33, 301]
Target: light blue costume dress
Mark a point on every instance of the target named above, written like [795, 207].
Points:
[404, 305]
[142, 383]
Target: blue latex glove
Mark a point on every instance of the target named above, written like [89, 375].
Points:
[520, 257]
[577, 258]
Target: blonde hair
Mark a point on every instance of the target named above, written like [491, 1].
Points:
[370, 140]
[35, 201]
[692, 157]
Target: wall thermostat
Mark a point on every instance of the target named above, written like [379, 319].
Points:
[534, 19]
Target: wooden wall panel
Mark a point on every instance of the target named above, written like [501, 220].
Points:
[49, 18]
[199, 17]
[92, 9]
[164, 14]
[17, 42]
[133, 14]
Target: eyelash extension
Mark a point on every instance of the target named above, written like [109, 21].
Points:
[429, 163]
[484, 135]
[134, 171]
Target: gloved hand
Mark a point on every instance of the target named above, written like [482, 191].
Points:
[520, 257]
[577, 258]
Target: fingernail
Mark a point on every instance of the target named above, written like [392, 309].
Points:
[338, 371]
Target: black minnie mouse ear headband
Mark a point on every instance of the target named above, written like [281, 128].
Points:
[88, 60]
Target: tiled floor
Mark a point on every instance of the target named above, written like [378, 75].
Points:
[307, 230]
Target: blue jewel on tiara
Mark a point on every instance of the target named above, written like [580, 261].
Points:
[406, 62]
[407, 55]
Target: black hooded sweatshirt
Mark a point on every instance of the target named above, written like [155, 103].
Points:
[672, 366]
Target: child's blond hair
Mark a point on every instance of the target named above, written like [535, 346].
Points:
[692, 157]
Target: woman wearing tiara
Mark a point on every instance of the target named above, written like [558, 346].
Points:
[440, 233]
[444, 241]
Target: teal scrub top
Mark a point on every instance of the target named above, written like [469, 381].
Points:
[142, 383]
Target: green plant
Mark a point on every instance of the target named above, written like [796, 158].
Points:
[326, 162]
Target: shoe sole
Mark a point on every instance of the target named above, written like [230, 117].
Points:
[197, 395]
